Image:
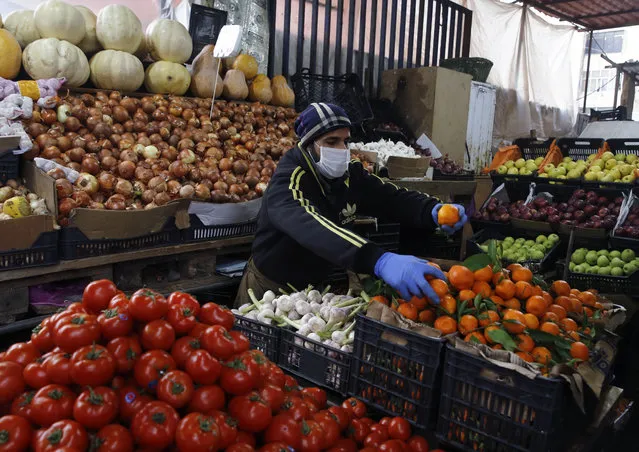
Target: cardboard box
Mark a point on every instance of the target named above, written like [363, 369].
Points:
[401, 167]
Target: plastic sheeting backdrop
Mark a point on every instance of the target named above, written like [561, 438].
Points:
[537, 64]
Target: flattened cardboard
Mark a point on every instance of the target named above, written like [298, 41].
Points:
[21, 233]
[400, 167]
[44, 186]
[9, 143]
[220, 214]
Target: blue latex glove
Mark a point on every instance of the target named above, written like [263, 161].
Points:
[451, 229]
[406, 274]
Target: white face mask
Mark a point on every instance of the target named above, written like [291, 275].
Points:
[333, 163]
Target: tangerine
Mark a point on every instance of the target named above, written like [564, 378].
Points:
[550, 317]
[521, 274]
[505, 289]
[537, 290]
[467, 324]
[568, 324]
[439, 286]
[573, 335]
[448, 215]
[426, 316]
[525, 356]
[531, 320]
[589, 312]
[547, 298]
[482, 288]
[380, 299]
[487, 331]
[599, 306]
[560, 287]
[514, 266]
[419, 303]
[475, 336]
[525, 343]
[408, 310]
[558, 310]
[523, 290]
[542, 355]
[579, 350]
[497, 347]
[484, 274]
[587, 298]
[499, 301]
[499, 277]
[488, 317]
[536, 305]
[564, 302]
[461, 277]
[550, 328]
[513, 303]
[577, 306]
[448, 304]
[446, 324]
[466, 295]
[514, 321]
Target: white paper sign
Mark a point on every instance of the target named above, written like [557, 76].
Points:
[425, 143]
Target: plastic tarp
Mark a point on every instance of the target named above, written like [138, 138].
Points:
[537, 64]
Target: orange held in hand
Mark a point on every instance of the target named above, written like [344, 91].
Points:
[448, 215]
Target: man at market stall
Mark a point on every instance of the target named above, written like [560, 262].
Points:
[314, 193]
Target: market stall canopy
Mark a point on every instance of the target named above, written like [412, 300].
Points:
[591, 14]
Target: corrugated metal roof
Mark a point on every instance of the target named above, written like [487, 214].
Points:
[592, 14]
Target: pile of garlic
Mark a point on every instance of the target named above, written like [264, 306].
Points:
[17, 201]
[385, 149]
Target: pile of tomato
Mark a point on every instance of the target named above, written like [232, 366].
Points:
[149, 373]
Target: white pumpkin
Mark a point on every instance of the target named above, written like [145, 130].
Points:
[168, 40]
[22, 26]
[57, 19]
[164, 77]
[113, 69]
[51, 57]
[118, 28]
[89, 43]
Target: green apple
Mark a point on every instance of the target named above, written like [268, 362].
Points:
[573, 174]
[566, 160]
[509, 239]
[538, 161]
[616, 271]
[608, 178]
[561, 171]
[529, 243]
[520, 163]
[509, 164]
[616, 262]
[549, 167]
[589, 176]
[525, 172]
[629, 179]
[502, 169]
[598, 162]
[616, 173]
[605, 271]
[571, 266]
[594, 270]
[629, 268]
[631, 159]
[628, 255]
[531, 165]
[537, 255]
[554, 238]
[578, 257]
[541, 239]
[603, 261]
[620, 157]
[603, 253]
[591, 257]
[544, 175]
[636, 262]
[571, 165]
[586, 266]
[513, 171]
[607, 156]
[548, 245]
[615, 253]
[610, 164]
[626, 169]
[520, 240]
[578, 269]
[506, 245]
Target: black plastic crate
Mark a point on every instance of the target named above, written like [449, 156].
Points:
[75, 245]
[579, 148]
[443, 246]
[322, 365]
[480, 225]
[396, 371]
[346, 91]
[263, 337]
[43, 252]
[489, 408]
[9, 166]
[198, 231]
[499, 179]
[624, 146]
[531, 148]
[463, 176]
[384, 235]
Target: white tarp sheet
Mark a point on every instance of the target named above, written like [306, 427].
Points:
[537, 64]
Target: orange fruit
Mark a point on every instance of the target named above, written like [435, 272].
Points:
[426, 316]
[478, 337]
[547, 298]
[514, 266]
[587, 298]
[484, 274]
[558, 310]
[523, 290]
[499, 277]
[550, 328]
[482, 288]
[408, 310]
[564, 302]
[513, 303]
[589, 312]
[497, 347]
[499, 301]
[577, 306]
[560, 287]
[598, 306]
[542, 355]
[568, 324]
[550, 317]
[506, 289]
[579, 350]
[536, 305]
[575, 292]
[449, 304]
[448, 215]
[521, 275]
[574, 335]
[514, 321]
[487, 330]
[525, 356]
[525, 343]
[439, 286]
[461, 277]
[537, 290]
[488, 317]
[446, 324]
[419, 303]
[531, 321]
[467, 324]
[466, 295]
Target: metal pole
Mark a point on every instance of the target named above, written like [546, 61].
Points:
[590, 38]
[617, 83]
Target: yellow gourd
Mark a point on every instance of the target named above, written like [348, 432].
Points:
[205, 67]
[235, 85]
[260, 89]
[283, 95]
[246, 64]
[11, 55]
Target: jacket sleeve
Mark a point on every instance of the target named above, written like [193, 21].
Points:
[383, 199]
[292, 212]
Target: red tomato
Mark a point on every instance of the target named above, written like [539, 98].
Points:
[203, 368]
[368, 421]
[131, 401]
[58, 368]
[117, 383]
[92, 365]
[418, 444]
[186, 300]
[385, 421]
[15, 433]
[125, 351]
[382, 430]
[197, 432]
[235, 379]
[286, 429]
[96, 407]
[175, 388]
[227, 427]
[182, 349]
[154, 425]
[273, 396]
[274, 375]
[344, 445]
[275, 447]
[312, 436]
[315, 395]
[355, 407]
[51, 404]
[11, 381]
[198, 330]
[291, 386]
[240, 447]
[97, 295]
[245, 438]
[119, 301]
[399, 428]
[181, 318]
[61, 434]
[242, 343]
[21, 405]
[206, 399]
[35, 375]
[358, 430]
[41, 336]
[393, 445]
[330, 427]
[147, 305]
[218, 342]
[115, 322]
[374, 439]
[214, 314]
[113, 438]
[157, 335]
[152, 366]
[296, 408]
[22, 353]
[342, 417]
[252, 413]
[76, 330]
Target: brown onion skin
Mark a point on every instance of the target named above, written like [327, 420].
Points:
[64, 188]
[126, 169]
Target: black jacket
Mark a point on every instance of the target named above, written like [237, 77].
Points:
[303, 225]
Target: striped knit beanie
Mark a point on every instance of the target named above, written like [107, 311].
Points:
[318, 119]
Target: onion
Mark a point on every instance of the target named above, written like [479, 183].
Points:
[219, 196]
[76, 154]
[151, 152]
[65, 206]
[129, 104]
[79, 142]
[187, 191]
[106, 181]
[161, 198]
[35, 129]
[187, 156]
[178, 169]
[64, 188]
[221, 186]
[170, 153]
[87, 182]
[80, 112]
[81, 198]
[202, 192]
[129, 154]
[90, 165]
[124, 187]
[120, 114]
[225, 164]
[240, 167]
[126, 169]
[64, 111]
[173, 187]
[235, 189]
[51, 152]
[260, 188]
[56, 173]
[48, 116]
[109, 162]
[116, 202]
[157, 184]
